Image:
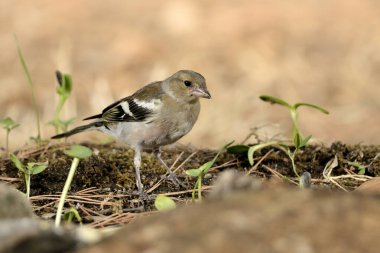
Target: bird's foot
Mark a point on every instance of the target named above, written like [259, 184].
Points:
[142, 199]
[143, 196]
[172, 176]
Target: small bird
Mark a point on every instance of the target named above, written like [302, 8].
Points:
[158, 114]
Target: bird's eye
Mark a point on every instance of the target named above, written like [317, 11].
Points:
[187, 83]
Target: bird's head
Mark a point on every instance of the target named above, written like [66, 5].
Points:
[187, 85]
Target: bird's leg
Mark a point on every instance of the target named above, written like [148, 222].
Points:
[137, 165]
[172, 176]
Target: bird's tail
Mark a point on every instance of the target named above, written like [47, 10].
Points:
[79, 129]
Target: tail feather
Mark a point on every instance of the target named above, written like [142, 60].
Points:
[79, 129]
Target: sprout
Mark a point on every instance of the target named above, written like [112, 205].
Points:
[28, 170]
[64, 88]
[77, 152]
[202, 171]
[8, 124]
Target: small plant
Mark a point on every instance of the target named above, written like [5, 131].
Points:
[298, 140]
[63, 90]
[8, 124]
[71, 214]
[164, 203]
[31, 86]
[201, 172]
[361, 168]
[28, 170]
[77, 152]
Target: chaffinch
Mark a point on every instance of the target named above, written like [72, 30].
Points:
[158, 114]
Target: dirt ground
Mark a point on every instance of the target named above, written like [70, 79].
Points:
[104, 184]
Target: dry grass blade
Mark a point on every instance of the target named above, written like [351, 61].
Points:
[117, 219]
[279, 175]
[48, 205]
[333, 163]
[334, 179]
[224, 165]
[40, 150]
[10, 179]
[185, 161]
[204, 188]
[258, 163]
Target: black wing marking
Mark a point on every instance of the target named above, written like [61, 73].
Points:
[126, 111]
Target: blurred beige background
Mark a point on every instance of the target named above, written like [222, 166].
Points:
[319, 51]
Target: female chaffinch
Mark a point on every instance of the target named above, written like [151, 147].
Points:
[158, 114]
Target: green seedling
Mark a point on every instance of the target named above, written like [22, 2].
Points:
[359, 166]
[201, 172]
[77, 152]
[71, 214]
[8, 124]
[164, 203]
[31, 86]
[64, 88]
[298, 140]
[28, 170]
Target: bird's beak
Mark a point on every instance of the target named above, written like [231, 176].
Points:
[203, 93]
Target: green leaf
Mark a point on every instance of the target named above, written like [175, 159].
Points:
[65, 83]
[238, 149]
[23, 63]
[297, 140]
[311, 106]
[361, 171]
[78, 151]
[275, 100]
[193, 172]
[203, 169]
[17, 163]
[8, 123]
[257, 147]
[305, 141]
[71, 214]
[359, 166]
[36, 168]
[206, 167]
[164, 203]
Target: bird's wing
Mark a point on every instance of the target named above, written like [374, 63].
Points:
[138, 107]
[126, 110]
